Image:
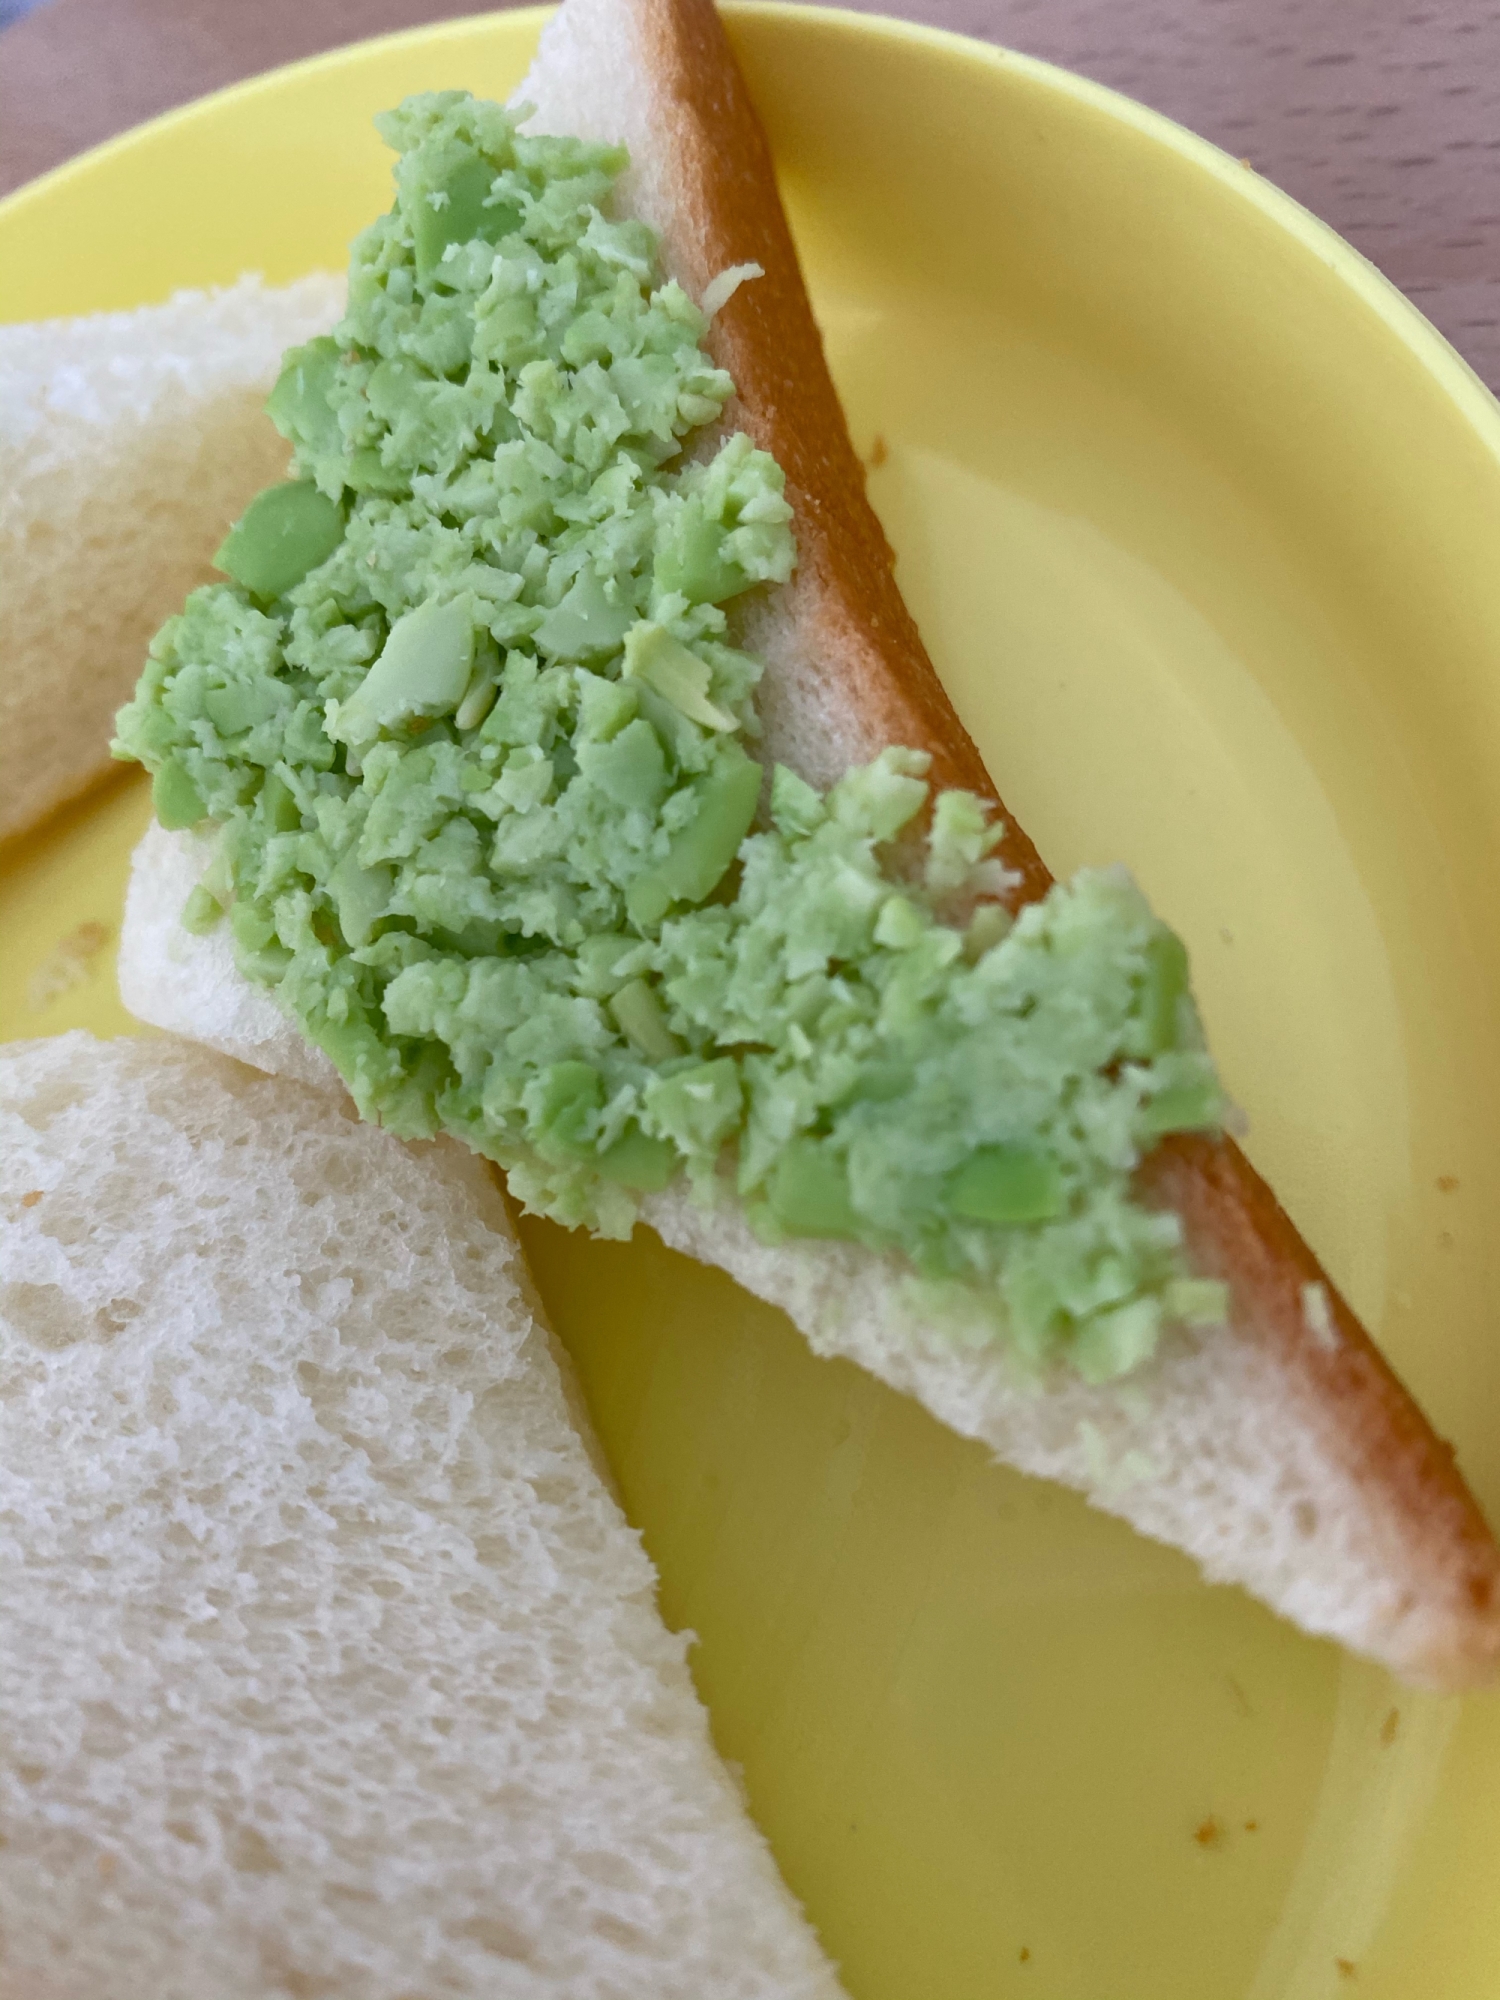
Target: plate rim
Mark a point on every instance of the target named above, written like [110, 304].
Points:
[1424, 345]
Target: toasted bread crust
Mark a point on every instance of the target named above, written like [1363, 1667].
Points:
[844, 597]
[1346, 1392]
[850, 614]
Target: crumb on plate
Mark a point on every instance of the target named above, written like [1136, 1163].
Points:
[67, 965]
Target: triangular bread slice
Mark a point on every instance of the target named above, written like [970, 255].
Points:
[129, 442]
[1280, 1451]
[328, 1663]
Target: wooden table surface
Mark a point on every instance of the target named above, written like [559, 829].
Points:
[1382, 116]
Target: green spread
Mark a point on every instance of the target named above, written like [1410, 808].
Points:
[492, 824]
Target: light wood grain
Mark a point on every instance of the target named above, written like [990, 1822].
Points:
[1381, 117]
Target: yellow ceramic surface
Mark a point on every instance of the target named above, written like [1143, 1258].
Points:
[1201, 521]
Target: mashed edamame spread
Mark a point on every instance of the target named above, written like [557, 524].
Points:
[482, 764]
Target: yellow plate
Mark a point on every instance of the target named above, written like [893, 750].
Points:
[1201, 521]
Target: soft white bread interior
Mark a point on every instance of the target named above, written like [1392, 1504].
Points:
[190, 985]
[1209, 1448]
[129, 442]
[328, 1663]
[1280, 1451]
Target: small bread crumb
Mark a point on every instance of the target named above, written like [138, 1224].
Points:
[66, 965]
[1209, 1833]
[1318, 1318]
[720, 290]
[1024, 1953]
[1346, 1967]
[31, 1198]
[1252, 1826]
[879, 453]
[1447, 1183]
[1389, 1727]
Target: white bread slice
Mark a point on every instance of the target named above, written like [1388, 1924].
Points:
[1209, 1448]
[190, 985]
[129, 442]
[328, 1664]
[1281, 1452]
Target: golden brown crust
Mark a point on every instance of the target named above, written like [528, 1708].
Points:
[1238, 1231]
[712, 142]
[768, 340]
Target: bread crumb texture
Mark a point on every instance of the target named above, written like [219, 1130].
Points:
[328, 1665]
[128, 443]
[1209, 1448]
